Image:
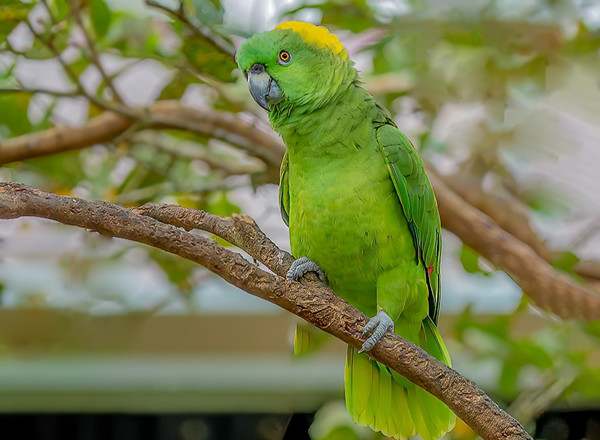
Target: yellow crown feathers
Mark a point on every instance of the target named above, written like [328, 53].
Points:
[316, 35]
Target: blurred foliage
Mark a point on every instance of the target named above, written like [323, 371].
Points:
[424, 60]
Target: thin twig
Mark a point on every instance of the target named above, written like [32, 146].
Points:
[35, 90]
[94, 56]
[200, 31]
[114, 107]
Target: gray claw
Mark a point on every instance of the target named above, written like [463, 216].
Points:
[378, 325]
[302, 266]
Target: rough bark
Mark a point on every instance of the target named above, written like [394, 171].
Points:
[309, 300]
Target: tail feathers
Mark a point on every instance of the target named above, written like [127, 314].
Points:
[308, 339]
[437, 419]
[375, 399]
[387, 402]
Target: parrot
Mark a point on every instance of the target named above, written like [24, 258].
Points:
[361, 213]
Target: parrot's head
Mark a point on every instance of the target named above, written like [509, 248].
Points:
[295, 65]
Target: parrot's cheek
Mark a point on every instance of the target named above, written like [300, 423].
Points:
[263, 88]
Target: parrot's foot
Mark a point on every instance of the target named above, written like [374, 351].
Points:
[378, 325]
[302, 266]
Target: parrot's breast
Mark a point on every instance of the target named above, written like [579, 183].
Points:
[345, 216]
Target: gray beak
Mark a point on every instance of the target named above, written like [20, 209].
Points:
[263, 88]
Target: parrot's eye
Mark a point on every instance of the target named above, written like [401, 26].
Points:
[284, 57]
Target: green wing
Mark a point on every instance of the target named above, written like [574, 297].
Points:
[418, 203]
[284, 190]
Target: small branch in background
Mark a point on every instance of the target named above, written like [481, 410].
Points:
[106, 127]
[229, 166]
[150, 192]
[587, 234]
[54, 50]
[504, 212]
[514, 219]
[532, 403]
[114, 107]
[588, 269]
[38, 90]
[94, 56]
[310, 300]
[548, 288]
[198, 30]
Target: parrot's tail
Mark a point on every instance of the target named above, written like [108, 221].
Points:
[385, 401]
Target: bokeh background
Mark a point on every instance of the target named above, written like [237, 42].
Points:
[500, 96]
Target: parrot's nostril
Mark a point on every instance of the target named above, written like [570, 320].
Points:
[257, 69]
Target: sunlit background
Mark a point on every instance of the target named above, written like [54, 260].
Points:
[501, 95]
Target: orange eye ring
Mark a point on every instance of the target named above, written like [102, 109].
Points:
[284, 57]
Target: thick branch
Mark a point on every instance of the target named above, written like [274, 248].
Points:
[512, 218]
[310, 301]
[548, 288]
[239, 230]
[504, 212]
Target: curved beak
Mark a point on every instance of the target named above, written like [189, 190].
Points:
[263, 88]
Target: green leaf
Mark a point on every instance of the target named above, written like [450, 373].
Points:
[60, 172]
[59, 8]
[209, 12]
[133, 37]
[470, 261]
[12, 12]
[177, 270]
[14, 120]
[220, 204]
[357, 16]
[208, 60]
[566, 261]
[178, 85]
[100, 15]
[592, 328]
[509, 377]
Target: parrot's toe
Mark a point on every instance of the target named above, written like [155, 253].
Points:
[378, 325]
[302, 266]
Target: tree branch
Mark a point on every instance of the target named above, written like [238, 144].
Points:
[202, 32]
[505, 213]
[230, 128]
[49, 43]
[514, 220]
[94, 56]
[548, 288]
[540, 281]
[309, 300]
[226, 165]
[40, 90]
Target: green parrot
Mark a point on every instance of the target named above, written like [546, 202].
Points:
[360, 209]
